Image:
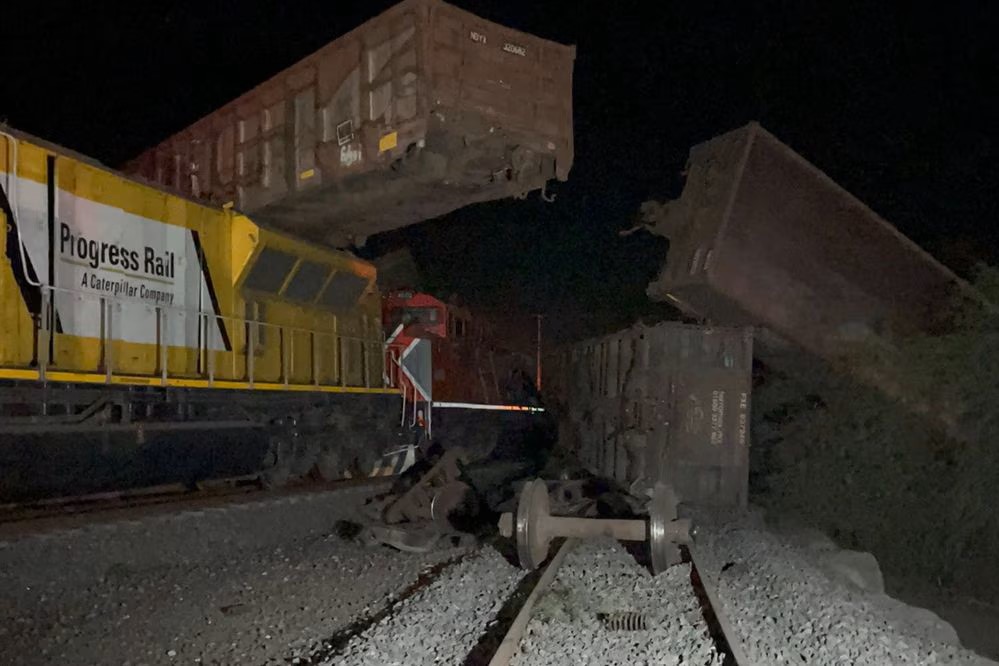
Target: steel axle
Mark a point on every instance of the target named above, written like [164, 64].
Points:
[535, 527]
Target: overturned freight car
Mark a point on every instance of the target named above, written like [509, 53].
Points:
[420, 111]
[660, 404]
[759, 236]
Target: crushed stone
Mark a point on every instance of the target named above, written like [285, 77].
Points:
[789, 606]
[257, 583]
[443, 622]
[601, 578]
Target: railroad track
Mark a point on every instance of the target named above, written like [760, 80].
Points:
[69, 511]
[591, 603]
[13, 512]
[509, 646]
[539, 612]
[277, 578]
[504, 623]
[596, 596]
[265, 567]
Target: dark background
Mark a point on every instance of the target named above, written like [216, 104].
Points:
[896, 103]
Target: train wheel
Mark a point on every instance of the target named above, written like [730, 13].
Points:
[367, 459]
[306, 455]
[329, 465]
[277, 463]
[276, 477]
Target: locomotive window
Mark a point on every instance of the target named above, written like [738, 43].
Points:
[422, 315]
[343, 290]
[269, 271]
[409, 316]
[307, 282]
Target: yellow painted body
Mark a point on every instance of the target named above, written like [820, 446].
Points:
[285, 344]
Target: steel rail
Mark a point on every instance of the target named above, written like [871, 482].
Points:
[510, 645]
[54, 513]
[709, 583]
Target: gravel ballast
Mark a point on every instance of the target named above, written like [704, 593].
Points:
[442, 623]
[790, 605]
[253, 583]
[599, 578]
[269, 582]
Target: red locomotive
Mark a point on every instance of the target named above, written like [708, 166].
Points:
[439, 354]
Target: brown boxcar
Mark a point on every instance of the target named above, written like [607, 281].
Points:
[759, 236]
[420, 111]
[666, 403]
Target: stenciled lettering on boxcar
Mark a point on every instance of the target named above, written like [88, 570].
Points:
[515, 49]
[717, 417]
[350, 155]
[743, 418]
[669, 417]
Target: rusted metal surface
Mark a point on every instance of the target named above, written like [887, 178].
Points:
[760, 236]
[423, 109]
[536, 527]
[509, 647]
[438, 489]
[665, 404]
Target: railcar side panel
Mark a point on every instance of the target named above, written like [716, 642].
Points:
[666, 403]
[760, 236]
[423, 109]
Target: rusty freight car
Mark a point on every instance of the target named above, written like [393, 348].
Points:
[420, 111]
[660, 404]
[759, 236]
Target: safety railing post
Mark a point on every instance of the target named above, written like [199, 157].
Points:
[210, 346]
[109, 337]
[366, 369]
[232, 351]
[44, 333]
[103, 358]
[315, 358]
[291, 356]
[341, 373]
[284, 363]
[337, 366]
[402, 420]
[203, 342]
[251, 350]
[162, 323]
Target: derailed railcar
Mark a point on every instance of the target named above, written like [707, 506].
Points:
[420, 111]
[759, 236]
[660, 404]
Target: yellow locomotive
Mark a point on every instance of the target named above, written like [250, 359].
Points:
[132, 315]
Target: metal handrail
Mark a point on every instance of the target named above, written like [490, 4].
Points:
[209, 341]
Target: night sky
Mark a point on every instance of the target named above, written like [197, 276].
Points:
[898, 105]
